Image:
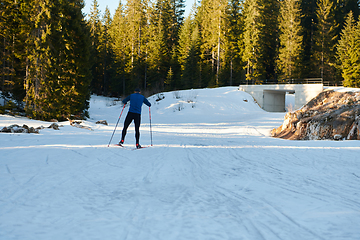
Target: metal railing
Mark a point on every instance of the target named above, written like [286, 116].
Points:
[283, 81]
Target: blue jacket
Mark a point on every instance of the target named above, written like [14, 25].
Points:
[136, 101]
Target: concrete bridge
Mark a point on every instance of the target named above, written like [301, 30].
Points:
[271, 98]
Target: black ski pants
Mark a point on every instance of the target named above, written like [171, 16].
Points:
[129, 118]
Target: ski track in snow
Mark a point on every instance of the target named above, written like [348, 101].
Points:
[200, 180]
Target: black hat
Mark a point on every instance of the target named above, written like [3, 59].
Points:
[137, 90]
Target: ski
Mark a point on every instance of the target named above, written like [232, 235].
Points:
[140, 148]
[118, 145]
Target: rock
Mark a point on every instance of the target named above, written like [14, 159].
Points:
[54, 126]
[104, 122]
[77, 124]
[6, 130]
[33, 130]
[330, 115]
[26, 128]
[17, 129]
[354, 132]
[337, 137]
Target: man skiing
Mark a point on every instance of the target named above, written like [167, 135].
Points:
[136, 102]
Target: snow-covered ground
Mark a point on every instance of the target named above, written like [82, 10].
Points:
[214, 172]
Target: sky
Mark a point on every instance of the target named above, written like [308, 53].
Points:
[112, 5]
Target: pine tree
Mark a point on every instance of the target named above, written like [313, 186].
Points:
[135, 32]
[348, 52]
[157, 55]
[269, 35]
[117, 33]
[72, 61]
[324, 41]
[58, 70]
[308, 22]
[177, 18]
[252, 44]
[97, 47]
[171, 12]
[342, 8]
[12, 56]
[107, 53]
[188, 53]
[6, 11]
[232, 68]
[38, 60]
[213, 24]
[165, 18]
[290, 39]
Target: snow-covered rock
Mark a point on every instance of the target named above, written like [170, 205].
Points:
[18, 129]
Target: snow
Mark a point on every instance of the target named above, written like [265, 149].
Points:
[213, 172]
[343, 89]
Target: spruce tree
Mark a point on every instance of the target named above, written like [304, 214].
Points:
[117, 33]
[107, 53]
[12, 55]
[324, 42]
[171, 12]
[232, 68]
[348, 52]
[290, 39]
[252, 34]
[166, 17]
[96, 48]
[135, 32]
[342, 9]
[58, 71]
[157, 53]
[71, 59]
[308, 22]
[188, 53]
[213, 24]
[38, 58]
[269, 39]
[6, 11]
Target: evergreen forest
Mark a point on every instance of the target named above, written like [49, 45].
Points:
[53, 56]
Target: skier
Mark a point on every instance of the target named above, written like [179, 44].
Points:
[136, 101]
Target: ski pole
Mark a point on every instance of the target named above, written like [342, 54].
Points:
[116, 125]
[150, 127]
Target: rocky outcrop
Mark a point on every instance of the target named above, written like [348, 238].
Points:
[26, 129]
[19, 129]
[331, 115]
